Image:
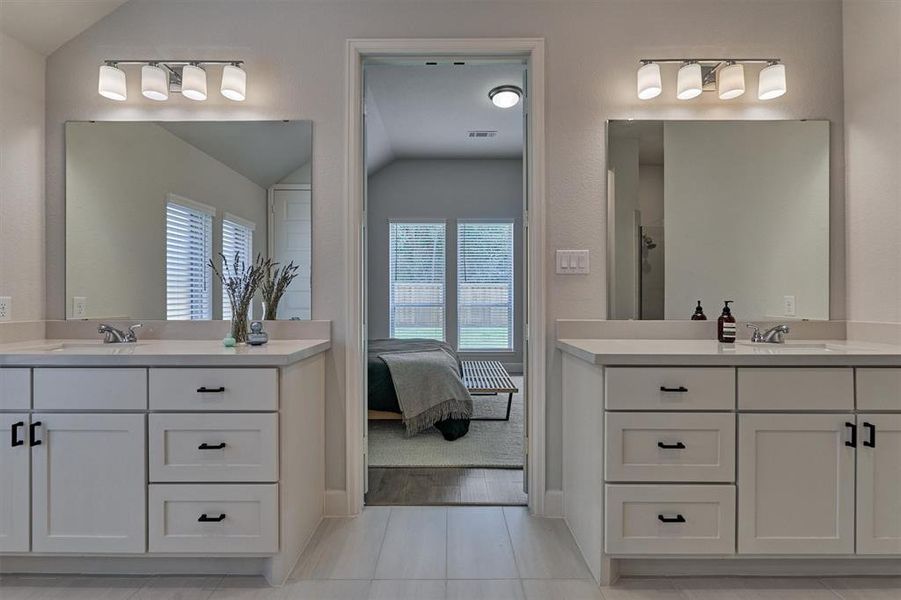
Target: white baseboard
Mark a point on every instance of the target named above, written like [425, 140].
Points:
[133, 565]
[335, 503]
[757, 567]
[553, 504]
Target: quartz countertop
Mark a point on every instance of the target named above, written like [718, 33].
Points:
[157, 353]
[711, 352]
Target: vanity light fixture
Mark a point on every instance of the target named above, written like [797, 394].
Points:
[505, 96]
[726, 76]
[111, 83]
[161, 78]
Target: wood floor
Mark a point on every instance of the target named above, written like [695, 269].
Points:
[409, 486]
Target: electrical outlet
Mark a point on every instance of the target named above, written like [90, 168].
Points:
[80, 307]
[789, 306]
[6, 308]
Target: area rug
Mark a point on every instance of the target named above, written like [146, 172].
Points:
[488, 443]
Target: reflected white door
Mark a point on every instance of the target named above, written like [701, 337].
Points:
[290, 238]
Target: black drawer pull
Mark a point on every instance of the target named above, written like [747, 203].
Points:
[206, 390]
[205, 446]
[853, 442]
[204, 518]
[870, 443]
[681, 389]
[676, 519]
[14, 434]
[31, 434]
[676, 446]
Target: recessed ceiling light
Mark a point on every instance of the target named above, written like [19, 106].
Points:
[505, 96]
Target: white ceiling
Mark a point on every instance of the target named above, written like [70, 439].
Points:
[263, 151]
[45, 25]
[421, 111]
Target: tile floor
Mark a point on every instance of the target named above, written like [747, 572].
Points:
[424, 486]
[443, 553]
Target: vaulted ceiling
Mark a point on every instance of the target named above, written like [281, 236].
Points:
[45, 25]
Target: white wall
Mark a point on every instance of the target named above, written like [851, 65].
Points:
[872, 37]
[295, 56]
[746, 216]
[118, 176]
[624, 164]
[442, 189]
[22, 178]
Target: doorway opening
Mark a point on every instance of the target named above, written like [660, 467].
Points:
[444, 280]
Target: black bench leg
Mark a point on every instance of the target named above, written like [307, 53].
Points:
[509, 404]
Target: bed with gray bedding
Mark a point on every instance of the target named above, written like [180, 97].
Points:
[412, 359]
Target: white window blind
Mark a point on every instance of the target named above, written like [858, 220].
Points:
[485, 285]
[189, 245]
[416, 275]
[237, 238]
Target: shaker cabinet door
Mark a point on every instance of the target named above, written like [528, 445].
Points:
[795, 484]
[15, 484]
[88, 483]
[879, 484]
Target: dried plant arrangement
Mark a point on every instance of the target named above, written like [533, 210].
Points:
[275, 283]
[240, 282]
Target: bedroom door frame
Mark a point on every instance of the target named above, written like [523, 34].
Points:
[535, 336]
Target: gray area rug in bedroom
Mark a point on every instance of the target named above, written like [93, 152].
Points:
[488, 443]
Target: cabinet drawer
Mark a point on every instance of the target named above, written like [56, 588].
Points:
[213, 447]
[213, 519]
[795, 389]
[90, 389]
[670, 447]
[213, 389]
[670, 519]
[879, 389]
[15, 389]
[653, 388]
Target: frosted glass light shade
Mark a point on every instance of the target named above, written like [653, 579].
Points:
[649, 82]
[155, 82]
[772, 82]
[234, 83]
[689, 82]
[111, 83]
[730, 81]
[193, 82]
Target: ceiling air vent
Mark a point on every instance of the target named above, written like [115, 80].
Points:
[482, 134]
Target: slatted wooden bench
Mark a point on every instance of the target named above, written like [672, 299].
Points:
[489, 378]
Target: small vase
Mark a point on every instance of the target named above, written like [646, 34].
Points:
[270, 310]
[239, 327]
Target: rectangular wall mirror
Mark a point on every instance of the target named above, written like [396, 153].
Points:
[718, 210]
[149, 203]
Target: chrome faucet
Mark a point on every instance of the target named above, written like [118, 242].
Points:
[773, 335]
[113, 335]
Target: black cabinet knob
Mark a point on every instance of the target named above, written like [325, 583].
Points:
[206, 390]
[871, 442]
[681, 389]
[14, 434]
[205, 518]
[676, 446]
[677, 519]
[205, 446]
[852, 443]
[32, 429]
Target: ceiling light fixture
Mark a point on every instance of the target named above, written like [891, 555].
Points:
[161, 78]
[111, 83]
[505, 96]
[726, 76]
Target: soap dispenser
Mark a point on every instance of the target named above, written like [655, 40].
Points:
[699, 313]
[725, 325]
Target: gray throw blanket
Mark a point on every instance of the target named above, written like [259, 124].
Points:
[429, 388]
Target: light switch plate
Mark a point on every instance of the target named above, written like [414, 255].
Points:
[79, 307]
[573, 262]
[6, 308]
[789, 308]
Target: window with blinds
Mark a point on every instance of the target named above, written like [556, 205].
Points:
[416, 276]
[189, 246]
[237, 238]
[485, 285]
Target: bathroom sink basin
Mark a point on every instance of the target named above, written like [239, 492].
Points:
[792, 347]
[83, 348]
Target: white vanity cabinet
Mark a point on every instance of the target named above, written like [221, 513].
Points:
[744, 459]
[15, 483]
